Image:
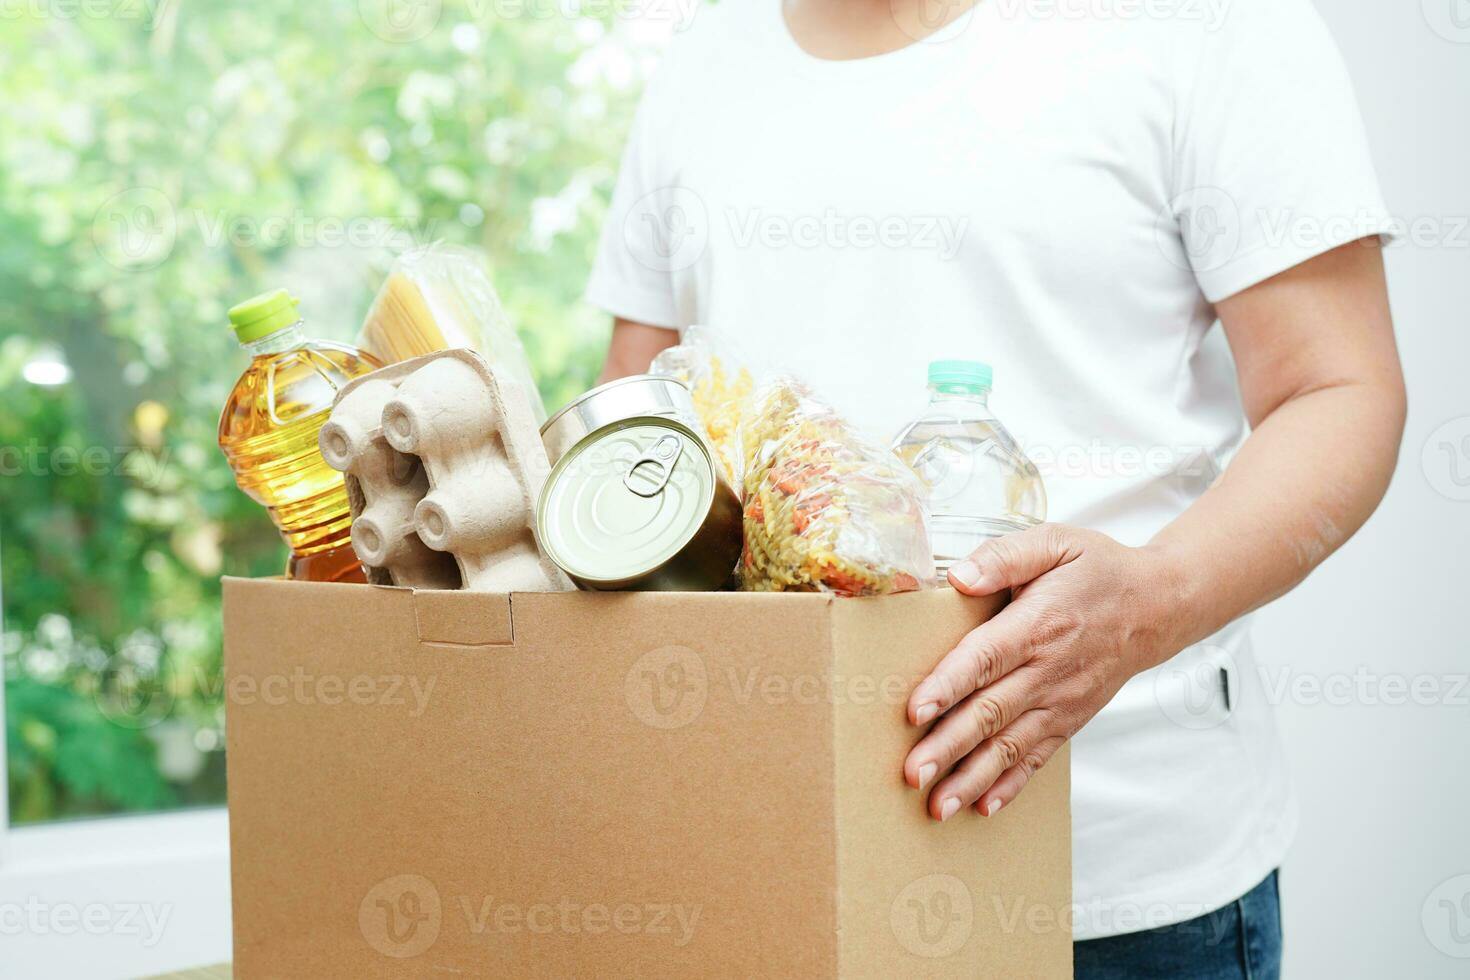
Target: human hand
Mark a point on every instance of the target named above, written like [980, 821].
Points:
[1086, 614]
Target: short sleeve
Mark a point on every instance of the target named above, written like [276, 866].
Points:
[1271, 164]
[632, 276]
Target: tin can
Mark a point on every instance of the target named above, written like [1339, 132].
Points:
[627, 398]
[640, 505]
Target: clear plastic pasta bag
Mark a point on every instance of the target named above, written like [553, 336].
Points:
[438, 297]
[825, 510]
[723, 386]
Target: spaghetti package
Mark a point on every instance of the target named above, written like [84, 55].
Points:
[439, 297]
[824, 510]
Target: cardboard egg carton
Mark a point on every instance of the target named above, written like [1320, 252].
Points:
[443, 466]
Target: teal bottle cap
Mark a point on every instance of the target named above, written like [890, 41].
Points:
[960, 376]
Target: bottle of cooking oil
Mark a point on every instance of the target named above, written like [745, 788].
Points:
[268, 432]
[981, 485]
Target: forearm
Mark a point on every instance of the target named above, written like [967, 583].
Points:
[632, 347]
[1305, 480]
[620, 364]
[1321, 384]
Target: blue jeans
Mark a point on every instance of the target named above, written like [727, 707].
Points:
[1242, 941]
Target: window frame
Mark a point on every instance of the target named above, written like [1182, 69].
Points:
[4, 746]
[178, 860]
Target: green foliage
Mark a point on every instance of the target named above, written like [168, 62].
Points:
[161, 163]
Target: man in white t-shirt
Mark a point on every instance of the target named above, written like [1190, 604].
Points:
[1076, 194]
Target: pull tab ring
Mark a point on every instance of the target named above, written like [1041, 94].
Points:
[664, 453]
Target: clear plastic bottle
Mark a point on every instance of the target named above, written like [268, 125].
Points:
[268, 431]
[981, 484]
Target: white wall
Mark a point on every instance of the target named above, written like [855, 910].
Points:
[1384, 787]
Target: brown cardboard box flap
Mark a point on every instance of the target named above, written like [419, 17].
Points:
[467, 619]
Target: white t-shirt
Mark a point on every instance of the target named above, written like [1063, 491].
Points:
[1061, 190]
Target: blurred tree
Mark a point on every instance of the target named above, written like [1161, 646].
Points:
[163, 161]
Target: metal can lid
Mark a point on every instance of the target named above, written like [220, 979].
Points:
[647, 388]
[638, 396]
[626, 499]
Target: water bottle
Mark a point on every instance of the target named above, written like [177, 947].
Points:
[981, 484]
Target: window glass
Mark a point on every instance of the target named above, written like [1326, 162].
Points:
[160, 162]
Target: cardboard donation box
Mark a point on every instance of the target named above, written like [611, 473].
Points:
[428, 784]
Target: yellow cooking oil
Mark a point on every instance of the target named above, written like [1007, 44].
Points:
[268, 431]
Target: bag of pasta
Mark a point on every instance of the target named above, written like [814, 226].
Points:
[723, 387]
[825, 511]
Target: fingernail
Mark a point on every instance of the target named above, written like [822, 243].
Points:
[966, 573]
[993, 807]
[926, 713]
[948, 809]
[926, 773]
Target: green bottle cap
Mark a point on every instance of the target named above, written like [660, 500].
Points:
[263, 314]
[960, 377]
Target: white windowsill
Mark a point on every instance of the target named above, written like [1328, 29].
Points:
[116, 841]
[121, 897]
